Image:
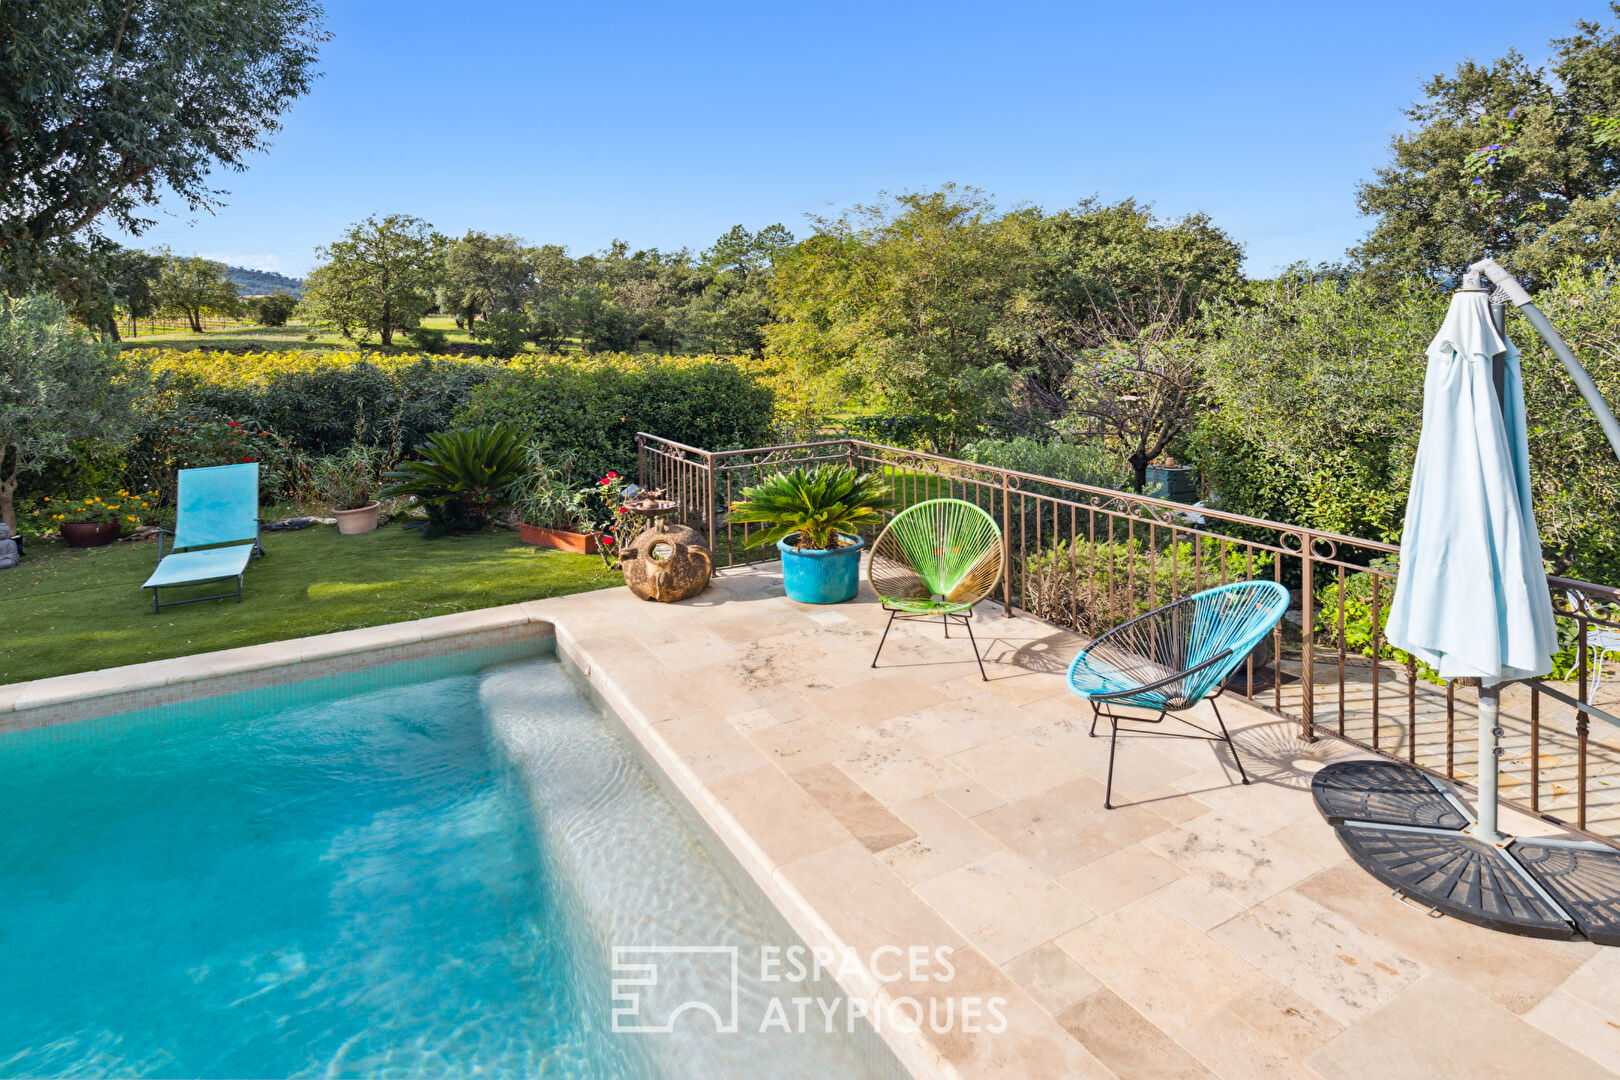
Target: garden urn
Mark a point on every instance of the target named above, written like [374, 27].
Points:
[667, 563]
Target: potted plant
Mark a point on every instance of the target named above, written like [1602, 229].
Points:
[549, 511]
[346, 484]
[461, 477]
[813, 516]
[94, 520]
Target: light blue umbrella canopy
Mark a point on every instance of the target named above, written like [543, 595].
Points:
[1471, 599]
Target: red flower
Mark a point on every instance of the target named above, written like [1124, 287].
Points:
[607, 541]
[622, 510]
[612, 475]
[604, 481]
[249, 458]
[236, 423]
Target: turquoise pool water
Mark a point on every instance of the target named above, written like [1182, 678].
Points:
[356, 879]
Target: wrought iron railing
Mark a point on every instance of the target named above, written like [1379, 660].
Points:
[1089, 558]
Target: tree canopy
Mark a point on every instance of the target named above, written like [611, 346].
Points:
[377, 279]
[917, 301]
[1505, 159]
[104, 104]
[190, 286]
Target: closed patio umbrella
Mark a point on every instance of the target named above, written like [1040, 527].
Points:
[1471, 600]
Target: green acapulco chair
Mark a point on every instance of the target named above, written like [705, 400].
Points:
[1172, 658]
[216, 506]
[937, 558]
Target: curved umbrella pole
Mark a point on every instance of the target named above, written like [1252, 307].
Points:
[1510, 288]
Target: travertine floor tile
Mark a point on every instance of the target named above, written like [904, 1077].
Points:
[898, 772]
[1052, 977]
[971, 721]
[1339, 968]
[868, 907]
[1235, 938]
[970, 799]
[784, 821]
[1118, 878]
[1012, 768]
[1128, 1043]
[1003, 905]
[872, 700]
[1198, 902]
[711, 747]
[944, 840]
[803, 743]
[1285, 1019]
[752, 720]
[1230, 856]
[1597, 980]
[1437, 1027]
[866, 818]
[1167, 970]
[1065, 827]
[1233, 1050]
[1515, 972]
[1572, 1021]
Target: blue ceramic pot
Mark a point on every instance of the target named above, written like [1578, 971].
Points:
[821, 577]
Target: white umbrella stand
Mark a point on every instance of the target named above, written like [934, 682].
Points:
[1472, 602]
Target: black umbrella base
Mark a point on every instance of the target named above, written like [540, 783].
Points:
[1406, 829]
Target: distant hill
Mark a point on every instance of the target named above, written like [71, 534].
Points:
[262, 282]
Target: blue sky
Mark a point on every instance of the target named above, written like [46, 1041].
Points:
[665, 124]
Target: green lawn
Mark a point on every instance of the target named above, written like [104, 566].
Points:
[63, 611]
[247, 337]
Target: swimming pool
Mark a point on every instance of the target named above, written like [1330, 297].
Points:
[420, 869]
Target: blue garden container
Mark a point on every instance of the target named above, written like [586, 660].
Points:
[821, 577]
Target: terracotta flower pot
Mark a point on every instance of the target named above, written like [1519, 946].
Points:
[87, 534]
[357, 521]
[561, 539]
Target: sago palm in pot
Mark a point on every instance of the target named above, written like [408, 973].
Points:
[814, 517]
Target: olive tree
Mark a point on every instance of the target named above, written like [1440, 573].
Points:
[58, 388]
[189, 286]
[379, 278]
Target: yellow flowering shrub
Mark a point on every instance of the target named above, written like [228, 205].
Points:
[234, 369]
[46, 515]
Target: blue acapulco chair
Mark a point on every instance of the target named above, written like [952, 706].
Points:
[215, 507]
[1172, 658]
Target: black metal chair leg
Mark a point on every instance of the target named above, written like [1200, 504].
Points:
[945, 621]
[1230, 745]
[1095, 712]
[882, 639]
[1113, 742]
[968, 622]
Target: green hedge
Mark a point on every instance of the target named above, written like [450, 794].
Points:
[592, 407]
[318, 409]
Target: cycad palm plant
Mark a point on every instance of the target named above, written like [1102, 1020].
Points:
[817, 504]
[461, 476]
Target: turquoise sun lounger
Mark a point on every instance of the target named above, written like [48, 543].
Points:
[216, 507]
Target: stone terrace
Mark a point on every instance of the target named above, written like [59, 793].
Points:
[1204, 929]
